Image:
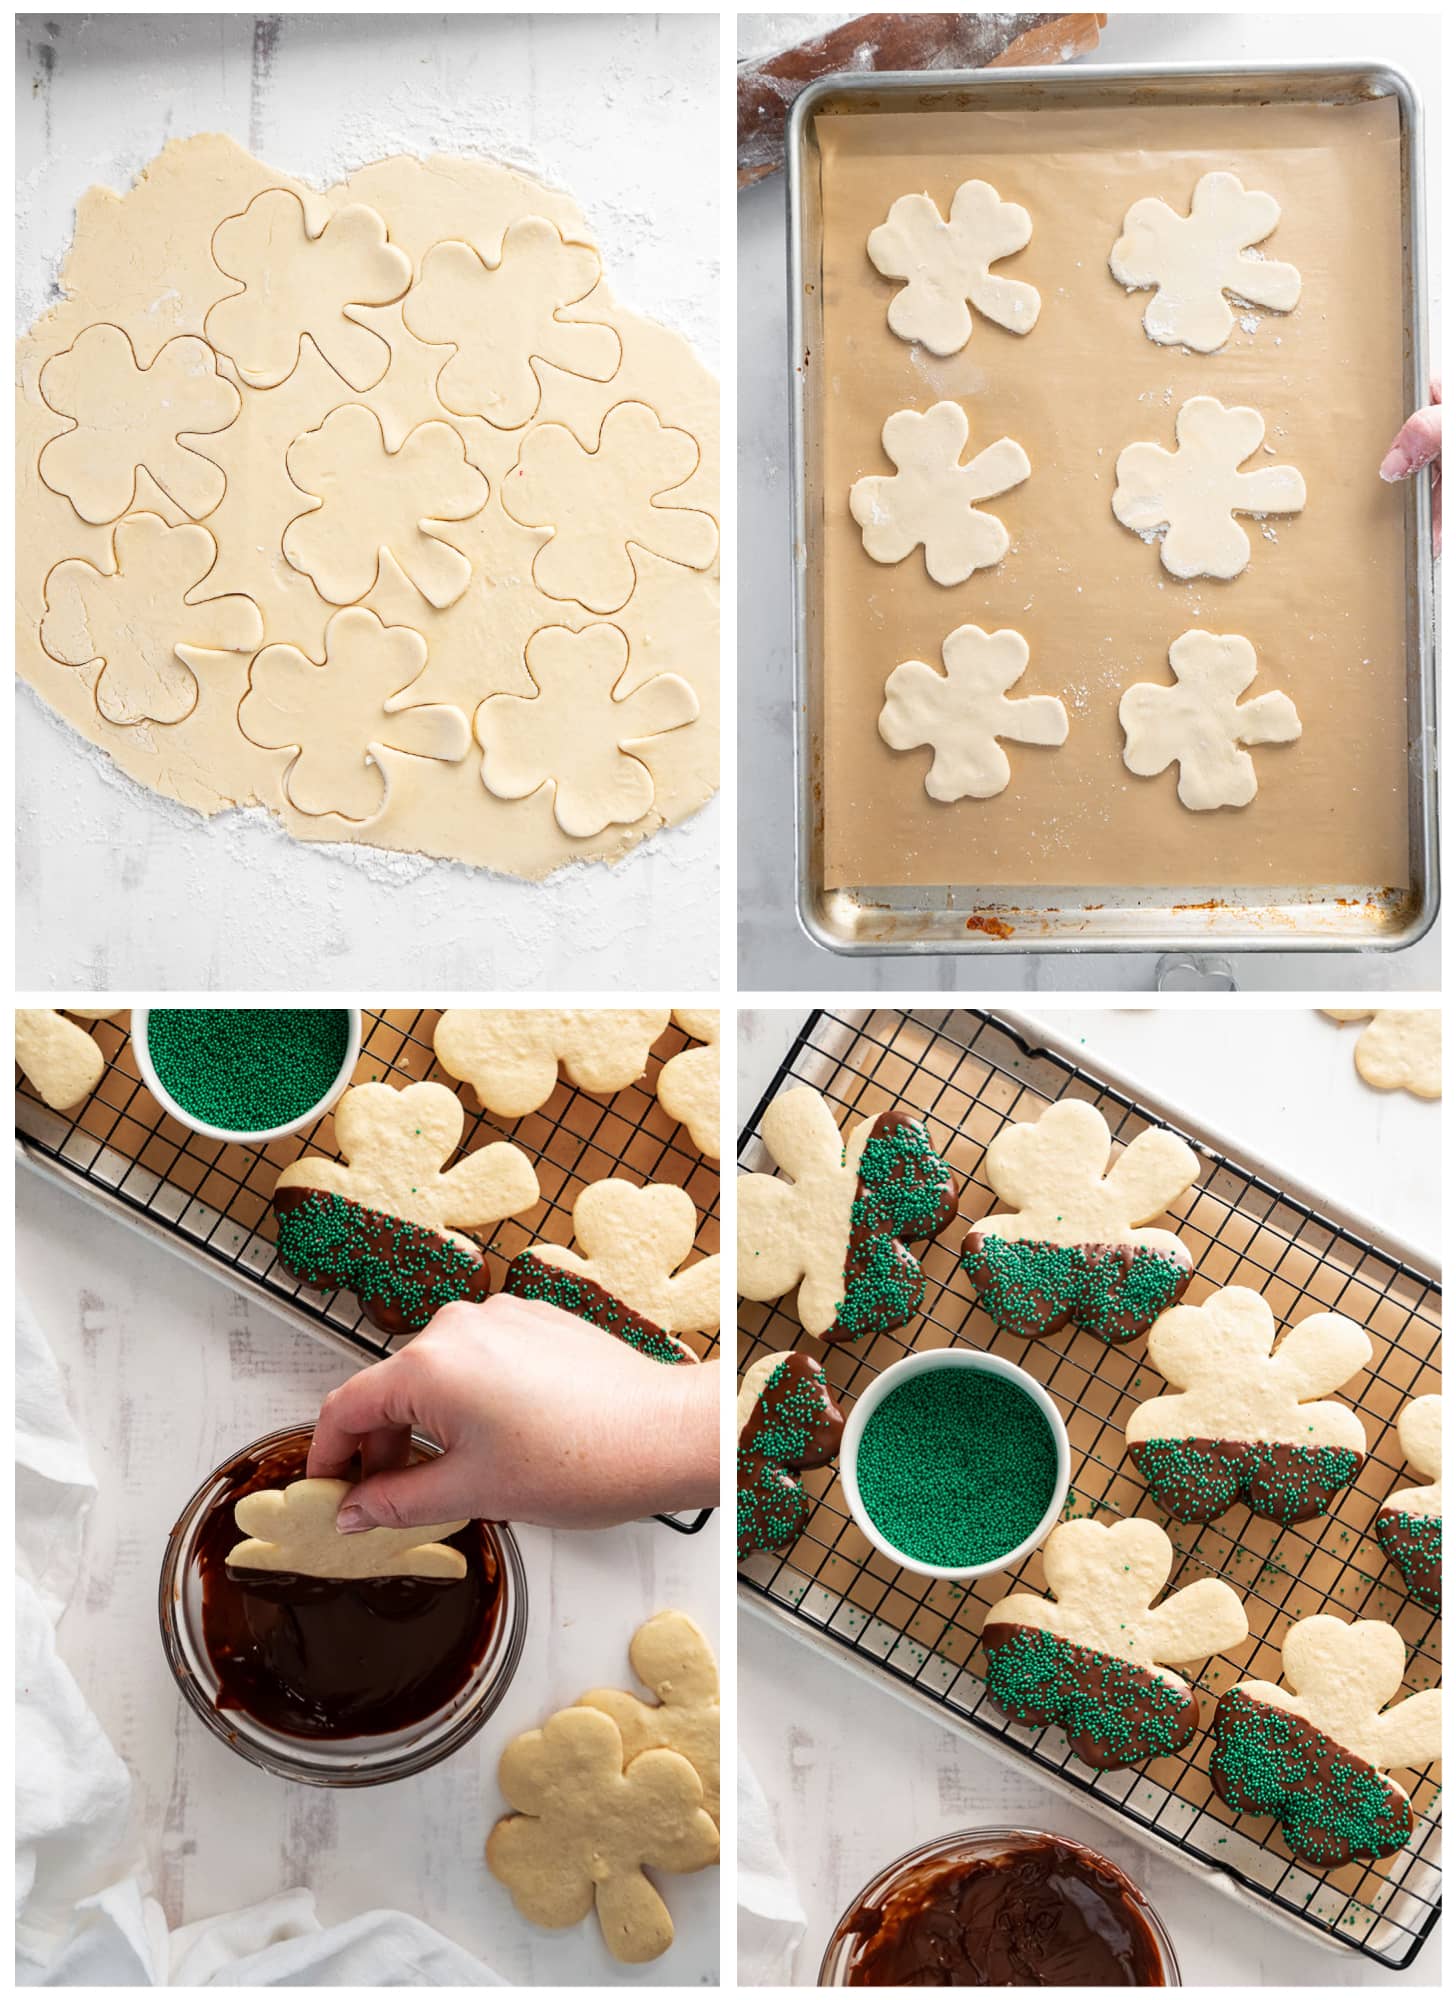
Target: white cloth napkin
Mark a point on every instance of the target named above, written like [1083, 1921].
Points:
[771, 1920]
[82, 1914]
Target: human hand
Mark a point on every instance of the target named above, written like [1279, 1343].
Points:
[1418, 444]
[542, 1418]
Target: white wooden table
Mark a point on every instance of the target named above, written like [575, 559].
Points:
[774, 955]
[167, 1371]
[614, 108]
[853, 1778]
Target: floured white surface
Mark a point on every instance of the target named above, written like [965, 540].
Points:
[774, 953]
[166, 1371]
[114, 887]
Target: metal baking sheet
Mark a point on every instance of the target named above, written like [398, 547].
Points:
[870, 920]
[968, 1073]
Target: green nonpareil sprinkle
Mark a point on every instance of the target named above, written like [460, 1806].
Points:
[1328, 1803]
[530, 1278]
[1198, 1478]
[956, 1466]
[333, 1243]
[247, 1069]
[1038, 1678]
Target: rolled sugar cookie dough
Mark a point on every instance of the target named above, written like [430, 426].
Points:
[341, 503]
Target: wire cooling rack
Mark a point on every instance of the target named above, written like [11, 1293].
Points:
[968, 1074]
[211, 1201]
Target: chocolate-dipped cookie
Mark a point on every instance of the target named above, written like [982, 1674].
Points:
[788, 1423]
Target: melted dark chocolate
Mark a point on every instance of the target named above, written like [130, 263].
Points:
[332, 1657]
[1048, 1913]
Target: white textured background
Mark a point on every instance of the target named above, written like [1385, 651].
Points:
[167, 1371]
[774, 954]
[855, 1779]
[118, 888]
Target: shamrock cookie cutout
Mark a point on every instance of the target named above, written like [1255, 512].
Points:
[670, 1655]
[63, 1062]
[1074, 1248]
[1191, 495]
[930, 502]
[788, 1423]
[1401, 1048]
[366, 502]
[1095, 1661]
[837, 1229]
[1200, 724]
[944, 264]
[598, 502]
[383, 1222]
[1408, 1525]
[298, 283]
[579, 732]
[1247, 1425]
[687, 1083]
[126, 419]
[141, 628]
[504, 320]
[295, 1529]
[1315, 1759]
[628, 1282]
[961, 713]
[340, 714]
[583, 1829]
[512, 1056]
[1195, 259]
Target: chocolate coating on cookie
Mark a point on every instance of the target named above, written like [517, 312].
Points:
[1113, 1290]
[905, 1193]
[401, 1274]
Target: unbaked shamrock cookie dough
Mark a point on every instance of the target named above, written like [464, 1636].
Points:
[385, 1221]
[1186, 499]
[945, 266]
[1408, 1525]
[930, 501]
[371, 507]
[626, 1278]
[1315, 1758]
[1196, 262]
[1072, 1247]
[961, 714]
[1246, 1422]
[836, 1231]
[1093, 1659]
[1200, 724]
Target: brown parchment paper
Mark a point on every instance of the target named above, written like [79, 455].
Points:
[1323, 597]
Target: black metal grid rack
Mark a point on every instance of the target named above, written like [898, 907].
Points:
[211, 1201]
[967, 1074]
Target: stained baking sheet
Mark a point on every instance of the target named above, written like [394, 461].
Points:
[968, 1075]
[1077, 849]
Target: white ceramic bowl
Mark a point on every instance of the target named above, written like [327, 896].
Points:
[139, 1019]
[869, 1400]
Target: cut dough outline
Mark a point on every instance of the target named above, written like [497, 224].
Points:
[1200, 724]
[183, 441]
[960, 714]
[532, 360]
[354, 629]
[606, 598]
[620, 790]
[141, 531]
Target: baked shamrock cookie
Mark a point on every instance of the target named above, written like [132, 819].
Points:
[295, 1529]
[1399, 1050]
[788, 1423]
[628, 1282]
[512, 1056]
[1315, 1759]
[837, 1229]
[687, 1083]
[384, 1222]
[1408, 1525]
[1245, 1425]
[586, 1823]
[62, 1060]
[670, 1655]
[1073, 1248]
[1092, 1658]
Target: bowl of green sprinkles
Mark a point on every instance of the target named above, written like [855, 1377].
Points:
[955, 1463]
[246, 1075]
